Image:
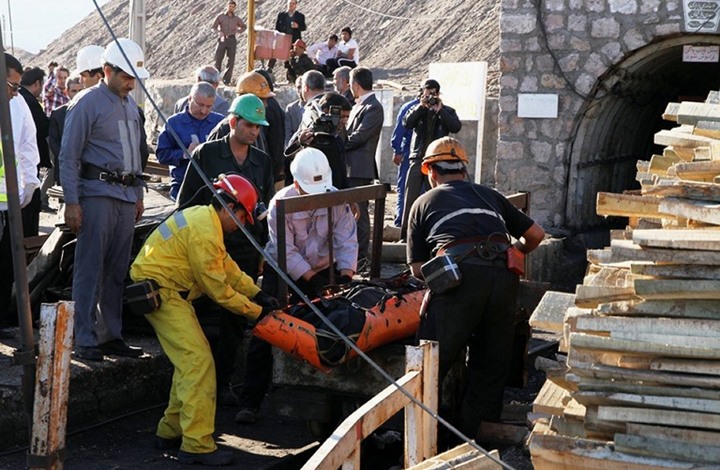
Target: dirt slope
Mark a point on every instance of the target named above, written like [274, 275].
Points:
[397, 39]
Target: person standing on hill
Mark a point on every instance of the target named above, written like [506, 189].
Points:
[227, 26]
[290, 22]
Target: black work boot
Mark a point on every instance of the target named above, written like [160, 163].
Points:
[216, 458]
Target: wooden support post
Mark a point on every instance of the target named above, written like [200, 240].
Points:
[53, 382]
[251, 36]
[420, 427]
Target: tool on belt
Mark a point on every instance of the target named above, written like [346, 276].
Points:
[443, 274]
[142, 297]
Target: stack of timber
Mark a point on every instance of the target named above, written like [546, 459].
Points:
[640, 387]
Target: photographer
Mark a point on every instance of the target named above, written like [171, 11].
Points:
[429, 120]
[323, 128]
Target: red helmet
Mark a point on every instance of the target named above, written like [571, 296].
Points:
[239, 189]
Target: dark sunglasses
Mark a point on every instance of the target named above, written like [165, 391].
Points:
[14, 86]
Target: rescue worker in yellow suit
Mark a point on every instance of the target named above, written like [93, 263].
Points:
[185, 255]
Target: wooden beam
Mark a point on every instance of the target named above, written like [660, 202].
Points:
[677, 271]
[697, 171]
[686, 366]
[696, 210]
[664, 308]
[668, 326]
[592, 296]
[701, 405]
[624, 205]
[679, 239]
[696, 190]
[690, 112]
[674, 434]
[585, 341]
[658, 289]
[550, 312]
[653, 416]
[667, 449]
[626, 250]
[678, 138]
[600, 371]
[551, 399]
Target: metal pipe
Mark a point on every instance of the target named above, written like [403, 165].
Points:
[25, 356]
[12, 40]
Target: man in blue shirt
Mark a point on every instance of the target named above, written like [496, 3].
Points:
[192, 125]
[400, 143]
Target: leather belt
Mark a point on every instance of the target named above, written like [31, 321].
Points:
[91, 172]
[486, 251]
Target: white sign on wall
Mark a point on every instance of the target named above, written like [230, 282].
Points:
[701, 16]
[701, 53]
[463, 86]
[537, 105]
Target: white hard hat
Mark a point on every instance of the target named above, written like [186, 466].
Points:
[113, 56]
[89, 58]
[311, 170]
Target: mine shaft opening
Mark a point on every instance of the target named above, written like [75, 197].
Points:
[616, 126]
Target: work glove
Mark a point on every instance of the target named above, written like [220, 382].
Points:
[264, 313]
[318, 282]
[340, 280]
[264, 299]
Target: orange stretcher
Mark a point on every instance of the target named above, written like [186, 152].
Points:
[395, 317]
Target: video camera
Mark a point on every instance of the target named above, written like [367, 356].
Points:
[321, 123]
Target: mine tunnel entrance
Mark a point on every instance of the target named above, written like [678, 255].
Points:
[618, 122]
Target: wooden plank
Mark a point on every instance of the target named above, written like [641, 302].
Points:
[686, 366]
[585, 341]
[657, 416]
[679, 239]
[671, 112]
[463, 457]
[669, 340]
[625, 205]
[691, 436]
[700, 405]
[611, 276]
[677, 289]
[677, 138]
[689, 112]
[333, 452]
[668, 449]
[626, 250]
[697, 171]
[550, 312]
[586, 384]
[685, 189]
[551, 451]
[592, 296]
[696, 210]
[551, 399]
[600, 371]
[676, 271]
[667, 326]
[659, 164]
[681, 153]
[664, 308]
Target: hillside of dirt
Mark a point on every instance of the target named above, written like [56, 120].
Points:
[397, 39]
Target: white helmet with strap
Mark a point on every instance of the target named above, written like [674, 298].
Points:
[89, 58]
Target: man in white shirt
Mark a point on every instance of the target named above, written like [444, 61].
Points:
[321, 52]
[27, 159]
[348, 52]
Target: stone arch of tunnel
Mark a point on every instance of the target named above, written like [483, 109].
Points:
[616, 126]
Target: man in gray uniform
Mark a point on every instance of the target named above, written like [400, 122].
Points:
[100, 168]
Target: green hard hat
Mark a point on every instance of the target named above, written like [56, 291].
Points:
[250, 108]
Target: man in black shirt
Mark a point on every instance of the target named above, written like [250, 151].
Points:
[473, 224]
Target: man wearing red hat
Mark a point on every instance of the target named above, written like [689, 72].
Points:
[299, 62]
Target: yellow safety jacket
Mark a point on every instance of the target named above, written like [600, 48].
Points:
[186, 253]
